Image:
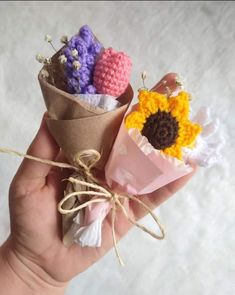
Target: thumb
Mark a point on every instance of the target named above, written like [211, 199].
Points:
[44, 147]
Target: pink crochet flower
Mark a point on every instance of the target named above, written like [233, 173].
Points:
[112, 72]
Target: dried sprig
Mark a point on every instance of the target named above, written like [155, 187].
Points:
[47, 61]
[143, 77]
[64, 39]
[48, 39]
[40, 58]
[76, 65]
[62, 59]
[74, 52]
[44, 73]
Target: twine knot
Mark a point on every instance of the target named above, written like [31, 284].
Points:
[84, 161]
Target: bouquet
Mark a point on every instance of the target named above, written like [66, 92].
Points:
[118, 151]
[87, 92]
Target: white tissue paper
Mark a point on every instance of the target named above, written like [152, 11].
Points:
[106, 102]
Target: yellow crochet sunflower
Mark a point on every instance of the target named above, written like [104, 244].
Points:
[164, 121]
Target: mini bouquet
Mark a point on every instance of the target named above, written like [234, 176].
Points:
[161, 133]
[87, 92]
[118, 151]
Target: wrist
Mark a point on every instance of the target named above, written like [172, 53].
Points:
[20, 276]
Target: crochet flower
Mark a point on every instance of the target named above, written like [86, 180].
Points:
[164, 121]
[209, 143]
[80, 55]
[112, 72]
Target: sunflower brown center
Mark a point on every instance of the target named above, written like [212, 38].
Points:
[161, 129]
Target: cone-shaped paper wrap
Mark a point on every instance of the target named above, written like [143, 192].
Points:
[137, 168]
[76, 126]
[134, 165]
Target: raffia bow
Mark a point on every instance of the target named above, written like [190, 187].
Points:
[85, 161]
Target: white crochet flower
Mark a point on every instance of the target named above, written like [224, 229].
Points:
[209, 143]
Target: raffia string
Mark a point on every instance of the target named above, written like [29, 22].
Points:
[43, 161]
[96, 190]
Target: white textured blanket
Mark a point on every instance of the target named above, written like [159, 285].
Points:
[196, 39]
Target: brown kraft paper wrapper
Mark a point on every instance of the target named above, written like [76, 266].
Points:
[77, 126]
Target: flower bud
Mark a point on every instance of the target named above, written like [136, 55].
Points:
[40, 58]
[64, 39]
[74, 52]
[48, 38]
[62, 59]
[44, 73]
[76, 64]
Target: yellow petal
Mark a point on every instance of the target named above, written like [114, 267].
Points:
[179, 106]
[151, 102]
[174, 151]
[135, 120]
[188, 132]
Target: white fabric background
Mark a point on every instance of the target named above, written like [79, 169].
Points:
[197, 40]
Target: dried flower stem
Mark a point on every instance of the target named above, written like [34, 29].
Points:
[50, 42]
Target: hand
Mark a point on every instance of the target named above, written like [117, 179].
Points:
[34, 249]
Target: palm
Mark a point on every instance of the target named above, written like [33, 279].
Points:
[36, 224]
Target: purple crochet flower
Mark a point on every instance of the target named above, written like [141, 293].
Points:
[76, 73]
[71, 43]
[68, 53]
[90, 62]
[80, 80]
[95, 48]
[81, 46]
[87, 35]
[84, 80]
[84, 70]
[90, 89]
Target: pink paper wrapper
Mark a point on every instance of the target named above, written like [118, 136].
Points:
[131, 170]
